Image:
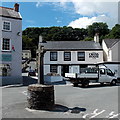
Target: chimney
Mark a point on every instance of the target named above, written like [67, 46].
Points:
[96, 38]
[16, 7]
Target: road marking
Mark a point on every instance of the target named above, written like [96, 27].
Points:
[25, 93]
[32, 110]
[112, 115]
[94, 114]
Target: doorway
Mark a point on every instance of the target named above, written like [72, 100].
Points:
[64, 69]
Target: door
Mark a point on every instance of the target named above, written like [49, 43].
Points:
[103, 77]
[64, 69]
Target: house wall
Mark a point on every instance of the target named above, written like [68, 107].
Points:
[73, 58]
[26, 54]
[111, 54]
[74, 64]
[16, 56]
[105, 51]
[114, 52]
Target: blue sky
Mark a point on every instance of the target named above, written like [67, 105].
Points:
[77, 15]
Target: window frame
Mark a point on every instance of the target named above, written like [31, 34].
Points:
[55, 70]
[66, 59]
[3, 26]
[9, 45]
[7, 67]
[78, 57]
[52, 57]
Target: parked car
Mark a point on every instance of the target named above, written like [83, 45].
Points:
[32, 73]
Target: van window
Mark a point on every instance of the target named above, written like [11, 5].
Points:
[109, 72]
[102, 71]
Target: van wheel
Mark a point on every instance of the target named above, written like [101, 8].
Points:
[75, 84]
[113, 82]
[85, 83]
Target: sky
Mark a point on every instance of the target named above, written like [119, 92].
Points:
[75, 14]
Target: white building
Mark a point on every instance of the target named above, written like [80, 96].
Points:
[26, 54]
[11, 45]
[70, 56]
[111, 48]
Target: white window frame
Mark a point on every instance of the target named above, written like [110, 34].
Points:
[3, 25]
[2, 45]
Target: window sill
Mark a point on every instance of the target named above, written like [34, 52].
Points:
[6, 30]
[8, 51]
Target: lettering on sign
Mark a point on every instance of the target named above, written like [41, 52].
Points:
[94, 55]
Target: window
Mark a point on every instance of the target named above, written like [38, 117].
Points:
[7, 25]
[5, 70]
[6, 44]
[67, 56]
[53, 68]
[53, 56]
[109, 72]
[102, 71]
[81, 56]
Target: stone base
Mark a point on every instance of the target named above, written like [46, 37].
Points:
[40, 97]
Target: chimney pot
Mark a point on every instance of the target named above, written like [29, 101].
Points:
[96, 38]
[16, 7]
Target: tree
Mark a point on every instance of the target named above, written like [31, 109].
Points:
[114, 33]
[101, 28]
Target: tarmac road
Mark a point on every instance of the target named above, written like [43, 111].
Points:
[71, 102]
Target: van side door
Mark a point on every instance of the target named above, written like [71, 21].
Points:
[102, 75]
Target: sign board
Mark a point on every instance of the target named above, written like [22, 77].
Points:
[6, 57]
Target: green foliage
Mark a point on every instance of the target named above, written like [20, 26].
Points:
[31, 35]
[114, 33]
[88, 39]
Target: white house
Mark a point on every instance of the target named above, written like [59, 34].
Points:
[111, 48]
[10, 45]
[70, 56]
[26, 54]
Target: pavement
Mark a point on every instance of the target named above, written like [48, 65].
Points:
[96, 101]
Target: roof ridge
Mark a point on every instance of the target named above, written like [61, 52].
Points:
[7, 8]
[117, 40]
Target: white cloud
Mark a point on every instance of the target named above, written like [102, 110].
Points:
[85, 21]
[94, 12]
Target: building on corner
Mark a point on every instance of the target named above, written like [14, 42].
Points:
[71, 56]
[11, 45]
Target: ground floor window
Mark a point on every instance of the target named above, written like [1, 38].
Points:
[53, 68]
[5, 69]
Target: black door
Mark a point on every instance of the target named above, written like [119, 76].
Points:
[65, 69]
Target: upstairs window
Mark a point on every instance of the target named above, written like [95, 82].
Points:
[81, 56]
[6, 25]
[67, 56]
[53, 56]
[6, 44]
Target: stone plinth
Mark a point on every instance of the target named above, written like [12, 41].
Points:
[40, 97]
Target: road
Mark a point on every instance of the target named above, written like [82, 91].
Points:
[71, 102]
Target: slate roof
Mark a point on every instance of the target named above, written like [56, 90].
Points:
[9, 13]
[111, 42]
[72, 45]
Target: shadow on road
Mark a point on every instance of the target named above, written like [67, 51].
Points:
[61, 108]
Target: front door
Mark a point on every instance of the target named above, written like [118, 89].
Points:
[64, 69]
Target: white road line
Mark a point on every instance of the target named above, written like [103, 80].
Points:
[25, 93]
